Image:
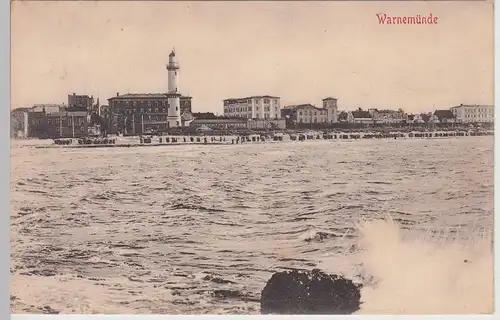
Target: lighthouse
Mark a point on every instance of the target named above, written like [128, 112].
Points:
[174, 105]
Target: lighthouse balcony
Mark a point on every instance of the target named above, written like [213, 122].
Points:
[173, 66]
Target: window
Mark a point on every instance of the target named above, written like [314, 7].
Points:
[177, 122]
[176, 108]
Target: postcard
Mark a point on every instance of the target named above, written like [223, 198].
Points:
[241, 157]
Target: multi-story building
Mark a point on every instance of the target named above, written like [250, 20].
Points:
[60, 124]
[388, 116]
[83, 102]
[136, 113]
[67, 124]
[473, 113]
[255, 107]
[308, 113]
[18, 122]
[37, 124]
[331, 105]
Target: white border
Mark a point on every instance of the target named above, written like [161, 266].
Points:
[5, 172]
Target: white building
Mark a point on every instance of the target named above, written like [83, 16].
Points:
[255, 107]
[174, 96]
[473, 113]
[388, 116]
[330, 104]
[308, 113]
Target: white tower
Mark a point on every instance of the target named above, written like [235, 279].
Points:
[174, 102]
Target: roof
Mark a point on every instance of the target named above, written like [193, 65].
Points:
[303, 106]
[361, 114]
[145, 96]
[472, 105]
[329, 98]
[309, 106]
[67, 113]
[425, 117]
[258, 97]
[39, 105]
[20, 110]
[295, 106]
[446, 114]
[80, 95]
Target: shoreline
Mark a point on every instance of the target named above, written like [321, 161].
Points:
[211, 140]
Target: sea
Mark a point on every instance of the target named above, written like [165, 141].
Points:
[199, 229]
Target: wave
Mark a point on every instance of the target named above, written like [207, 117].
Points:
[404, 272]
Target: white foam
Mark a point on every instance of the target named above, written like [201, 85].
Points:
[420, 275]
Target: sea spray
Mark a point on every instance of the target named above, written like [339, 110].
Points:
[424, 275]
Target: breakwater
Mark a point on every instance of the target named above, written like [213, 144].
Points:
[150, 141]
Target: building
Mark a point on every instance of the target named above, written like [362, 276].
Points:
[360, 116]
[173, 94]
[48, 107]
[129, 113]
[81, 102]
[238, 123]
[331, 105]
[445, 116]
[220, 123]
[67, 124]
[37, 124]
[266, 124]
[308, 113]
[255, 107]
[473, 113]
[137, 113]
[19, 122]
[415, 119]
[61, 124]
[388, 116]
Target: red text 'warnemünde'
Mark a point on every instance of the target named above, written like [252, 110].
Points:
[418, 19]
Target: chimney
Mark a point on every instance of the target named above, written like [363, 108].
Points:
[74, 94]
[118, 94]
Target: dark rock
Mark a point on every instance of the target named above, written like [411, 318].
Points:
[309, 292]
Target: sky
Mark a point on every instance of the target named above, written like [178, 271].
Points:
[300, 51]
